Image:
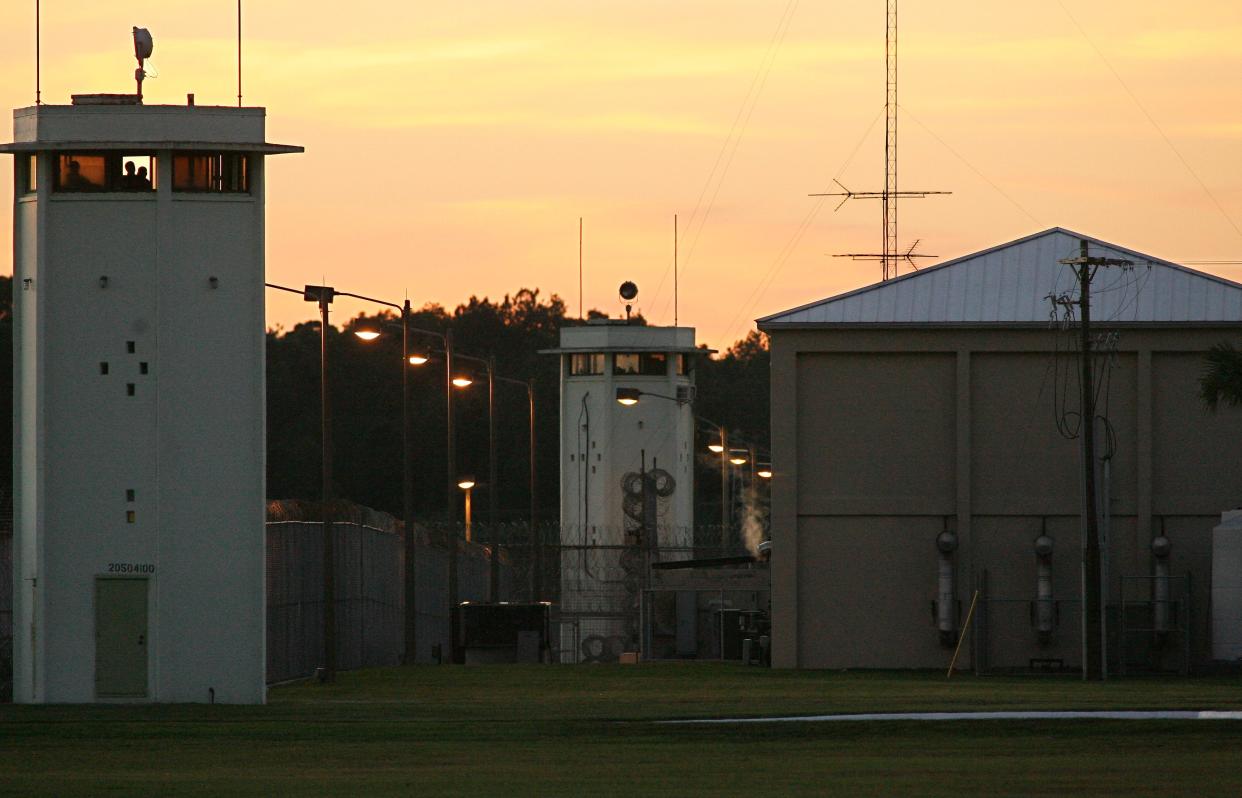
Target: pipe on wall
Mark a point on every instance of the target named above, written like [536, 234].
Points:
[1045, 607]
[1160, 548]
[946, 593]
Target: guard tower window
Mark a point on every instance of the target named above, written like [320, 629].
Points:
[105, 172]
[652, 364]
[583, 364]
[30, 181]
[684, 365]
[133, 173]
[218, 172]
[80, 172]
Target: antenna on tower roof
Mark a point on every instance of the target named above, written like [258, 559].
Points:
[628, 291]
[143, 46]
[38, 60]
[239, 40]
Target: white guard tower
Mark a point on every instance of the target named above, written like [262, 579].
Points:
[611, 525]
[139, 402]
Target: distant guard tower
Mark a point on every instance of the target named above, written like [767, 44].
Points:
[139, 402]
[627, 473]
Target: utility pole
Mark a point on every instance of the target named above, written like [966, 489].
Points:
[1094, 603]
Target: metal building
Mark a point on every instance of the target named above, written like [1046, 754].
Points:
[918, 456]
[139, 406]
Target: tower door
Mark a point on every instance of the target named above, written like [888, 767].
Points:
[120, 638]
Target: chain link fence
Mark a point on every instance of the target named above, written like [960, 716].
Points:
[596, 590]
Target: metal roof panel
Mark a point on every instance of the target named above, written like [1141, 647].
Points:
[1011, 284]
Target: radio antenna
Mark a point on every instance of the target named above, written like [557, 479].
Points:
[38, 60]
[890, 256]
[674, 270]
[239, 92]
[581, 315]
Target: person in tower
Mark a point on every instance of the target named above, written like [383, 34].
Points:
[129, 181]
[141, 182]
[75, 180]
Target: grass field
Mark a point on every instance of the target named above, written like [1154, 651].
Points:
[580, 730]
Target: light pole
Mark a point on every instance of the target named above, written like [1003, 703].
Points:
[467, 484]
[450, 382]
[489, 365]
[324, 295]
[493, 481]
[721, 448]
[629, 397]
[535, 552]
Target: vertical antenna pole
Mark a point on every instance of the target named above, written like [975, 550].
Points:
[581, 315]
[889, 196]
[38, 60]
[239, 40]
[674, 270]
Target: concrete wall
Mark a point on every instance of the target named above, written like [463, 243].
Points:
[884, 438]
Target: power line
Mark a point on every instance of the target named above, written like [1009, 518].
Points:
[730, 144]
[1152, 120]
[790, 246]
[971, 166]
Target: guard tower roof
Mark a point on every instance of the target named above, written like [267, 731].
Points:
[118, 126]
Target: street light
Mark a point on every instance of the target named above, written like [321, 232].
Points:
[467, 485]
[629, 397]
[738, 456]
[536, 554]
[324, 294]
[764, 471]
[418, 359]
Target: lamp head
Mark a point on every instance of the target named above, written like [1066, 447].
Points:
[463, 382]
[764, 471]
[738, 456]
[367, 334]
[715, 448]
[466, 483]
[418, 359]
[628, 396]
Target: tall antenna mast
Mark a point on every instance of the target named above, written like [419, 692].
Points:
[581, 315]
[674, 270]
[889, 201]
[38, 60]
[239, 40]
[891, 254]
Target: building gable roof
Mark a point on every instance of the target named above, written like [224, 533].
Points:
[1010, 285]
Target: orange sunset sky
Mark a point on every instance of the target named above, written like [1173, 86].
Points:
[452, 147]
